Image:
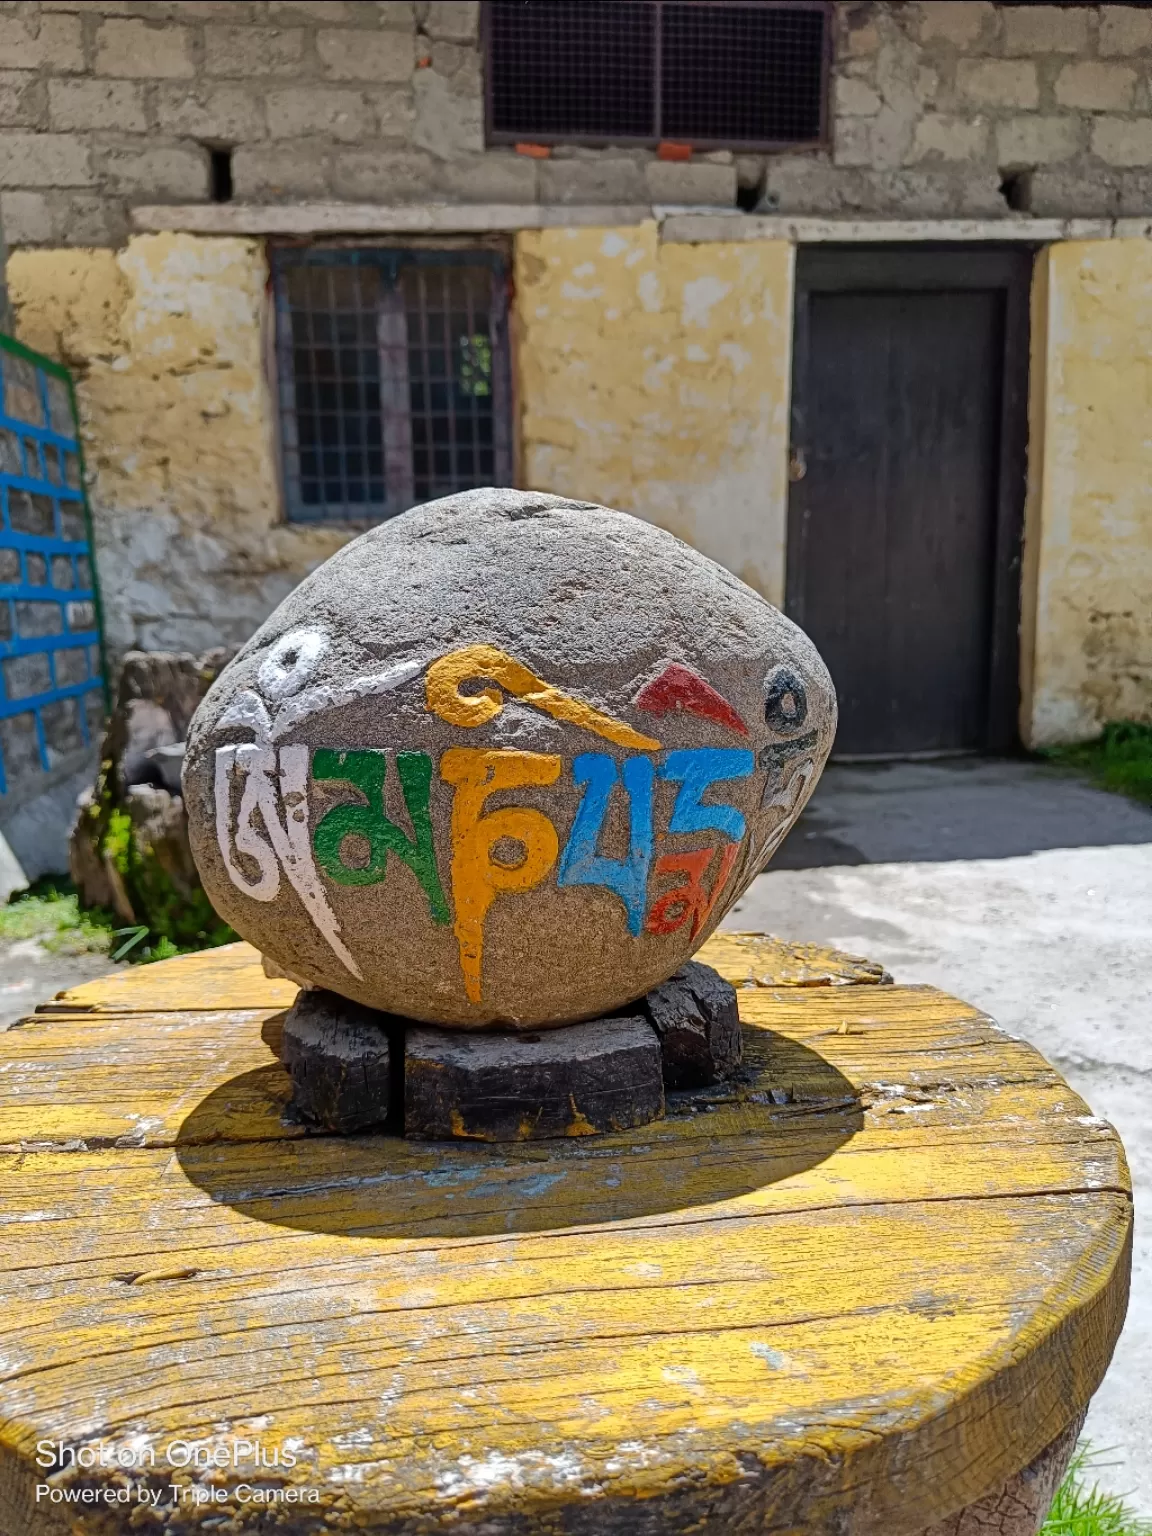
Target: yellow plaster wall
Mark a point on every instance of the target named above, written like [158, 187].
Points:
[1088, 541]
[655, 378]
[167, 341]
[651, 377]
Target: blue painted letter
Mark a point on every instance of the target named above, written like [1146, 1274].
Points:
[696, 768]
[580, 864]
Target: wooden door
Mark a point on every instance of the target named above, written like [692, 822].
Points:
[906, 506]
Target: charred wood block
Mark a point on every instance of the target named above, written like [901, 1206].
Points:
[573, 1081]
[339, 1058]
[696, 1017]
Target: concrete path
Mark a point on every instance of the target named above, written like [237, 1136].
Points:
[1026, 892]
[31, 975]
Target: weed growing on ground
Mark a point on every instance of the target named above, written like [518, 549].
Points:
[50, 913]
[1120, 759]
[1081, 1508]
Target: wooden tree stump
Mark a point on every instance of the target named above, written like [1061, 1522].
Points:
[1019, 1506]
[759, 960]
[574, 1081]
[877, 1309]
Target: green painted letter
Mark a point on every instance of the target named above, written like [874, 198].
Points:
[366, 771]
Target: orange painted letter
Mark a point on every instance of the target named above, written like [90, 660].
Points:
[476, 877]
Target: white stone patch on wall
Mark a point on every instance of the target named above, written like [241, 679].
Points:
[700, 296]
[737, 355]
[650, 292]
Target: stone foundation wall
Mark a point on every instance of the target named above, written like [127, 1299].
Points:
[941, 107]
[959, 107]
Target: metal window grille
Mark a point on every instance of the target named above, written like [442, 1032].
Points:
[51, 668]
[393, 376]
[709, 73]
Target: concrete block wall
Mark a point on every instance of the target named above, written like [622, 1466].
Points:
[958, 107]
[105, 105]
[939, 107]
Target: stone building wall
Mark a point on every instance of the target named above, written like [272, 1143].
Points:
[166, 339]
[652, 371]
[658, 376]
[652, 375]
[942, 107]
[963, 107]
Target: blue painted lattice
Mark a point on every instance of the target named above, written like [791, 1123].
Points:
[51, 672]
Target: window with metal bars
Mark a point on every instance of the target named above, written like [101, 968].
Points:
[708, 73]
[393, 375]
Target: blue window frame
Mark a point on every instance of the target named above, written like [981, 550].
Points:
[392, 368]
[52, 681]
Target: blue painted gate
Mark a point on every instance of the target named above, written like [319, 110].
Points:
[52, 681]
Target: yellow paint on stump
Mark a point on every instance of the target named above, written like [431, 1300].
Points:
[230, 977]
[233, 977]
[905, 1279]
[755, 960]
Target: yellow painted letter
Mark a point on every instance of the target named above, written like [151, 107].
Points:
[446, 677]
[476, 877]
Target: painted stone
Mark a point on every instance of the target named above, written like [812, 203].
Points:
[505, 760]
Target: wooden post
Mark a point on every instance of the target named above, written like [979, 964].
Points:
[338, 1055]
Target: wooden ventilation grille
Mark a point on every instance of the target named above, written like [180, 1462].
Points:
[752, 74]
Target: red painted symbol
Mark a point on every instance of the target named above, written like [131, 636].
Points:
[679, 688]
[689, 899]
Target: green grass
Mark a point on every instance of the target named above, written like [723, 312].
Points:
[1119, 760]
[1081, 1508]
[50, 913]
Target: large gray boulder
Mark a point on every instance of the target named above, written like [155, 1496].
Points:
[506, 759]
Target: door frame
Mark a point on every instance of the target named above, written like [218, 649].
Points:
[928, 267]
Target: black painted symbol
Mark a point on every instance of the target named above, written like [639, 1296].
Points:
[778, 762]
[785, 700]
